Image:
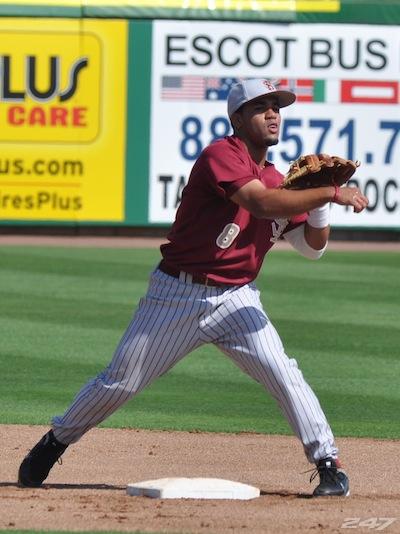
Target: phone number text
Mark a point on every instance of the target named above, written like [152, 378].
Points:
[197, 133]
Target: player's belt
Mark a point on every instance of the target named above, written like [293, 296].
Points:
[188, 277]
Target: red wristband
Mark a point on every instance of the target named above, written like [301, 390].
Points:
[336, 195]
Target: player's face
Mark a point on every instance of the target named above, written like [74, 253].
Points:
[261, 121]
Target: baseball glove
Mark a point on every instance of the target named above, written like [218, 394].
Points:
[312, 171]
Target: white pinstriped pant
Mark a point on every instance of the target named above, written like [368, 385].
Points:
[174, 318]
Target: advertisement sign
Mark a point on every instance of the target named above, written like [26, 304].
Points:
[346, 79]
[63, 119]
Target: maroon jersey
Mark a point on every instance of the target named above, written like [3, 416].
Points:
[214, 236]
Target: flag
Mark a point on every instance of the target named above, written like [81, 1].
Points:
[183, 88]
[370, 92]
[306, 90]
[218, 88]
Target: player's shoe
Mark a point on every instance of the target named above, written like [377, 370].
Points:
[36, 465]
[333, 482]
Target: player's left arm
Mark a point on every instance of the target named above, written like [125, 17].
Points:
[317, 229]
[310, 239]
[317, 238]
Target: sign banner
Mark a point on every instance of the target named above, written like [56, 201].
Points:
[346, 79]
[63, 119]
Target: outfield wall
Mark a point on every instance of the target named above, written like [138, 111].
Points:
[104, 109]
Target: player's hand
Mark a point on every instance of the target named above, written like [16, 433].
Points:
[352, 196]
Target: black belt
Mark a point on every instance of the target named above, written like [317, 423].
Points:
[196, 278]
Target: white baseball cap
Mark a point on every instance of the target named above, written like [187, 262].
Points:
[247, 90]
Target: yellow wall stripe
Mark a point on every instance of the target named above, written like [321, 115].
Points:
[234, 5]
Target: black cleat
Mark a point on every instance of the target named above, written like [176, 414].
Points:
[332, 481]
[36, 465]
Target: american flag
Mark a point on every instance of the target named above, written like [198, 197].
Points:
[183, 88]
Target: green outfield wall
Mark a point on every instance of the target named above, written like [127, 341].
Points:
[105, 106]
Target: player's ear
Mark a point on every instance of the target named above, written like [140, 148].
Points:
[236, 121]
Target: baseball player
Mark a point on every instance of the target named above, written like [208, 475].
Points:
[203, 291]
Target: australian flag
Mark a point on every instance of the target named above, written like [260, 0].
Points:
[218, 88]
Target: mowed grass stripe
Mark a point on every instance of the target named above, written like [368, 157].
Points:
[62, 312]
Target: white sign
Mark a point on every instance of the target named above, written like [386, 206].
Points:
[347, 81]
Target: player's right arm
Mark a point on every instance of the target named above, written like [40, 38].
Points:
[265, 203]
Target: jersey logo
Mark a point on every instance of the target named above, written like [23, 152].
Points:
[228, 235]
[278, 227]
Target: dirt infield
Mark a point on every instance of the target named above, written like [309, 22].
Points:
[88, 491]
[153, 242]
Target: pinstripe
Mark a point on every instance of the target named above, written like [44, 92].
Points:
[259, 373]
[307, 399]
[281, 383]
[247, 364]
[284, 398]
[163, 343]
[84, 405]
[312, 411]
[81, 408]
[173, 319]
[257, 350]
[255, 366]
[288, 399]
[136, 363]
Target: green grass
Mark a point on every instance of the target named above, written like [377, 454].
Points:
[63, 310]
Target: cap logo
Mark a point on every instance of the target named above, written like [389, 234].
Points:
[269, 85]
